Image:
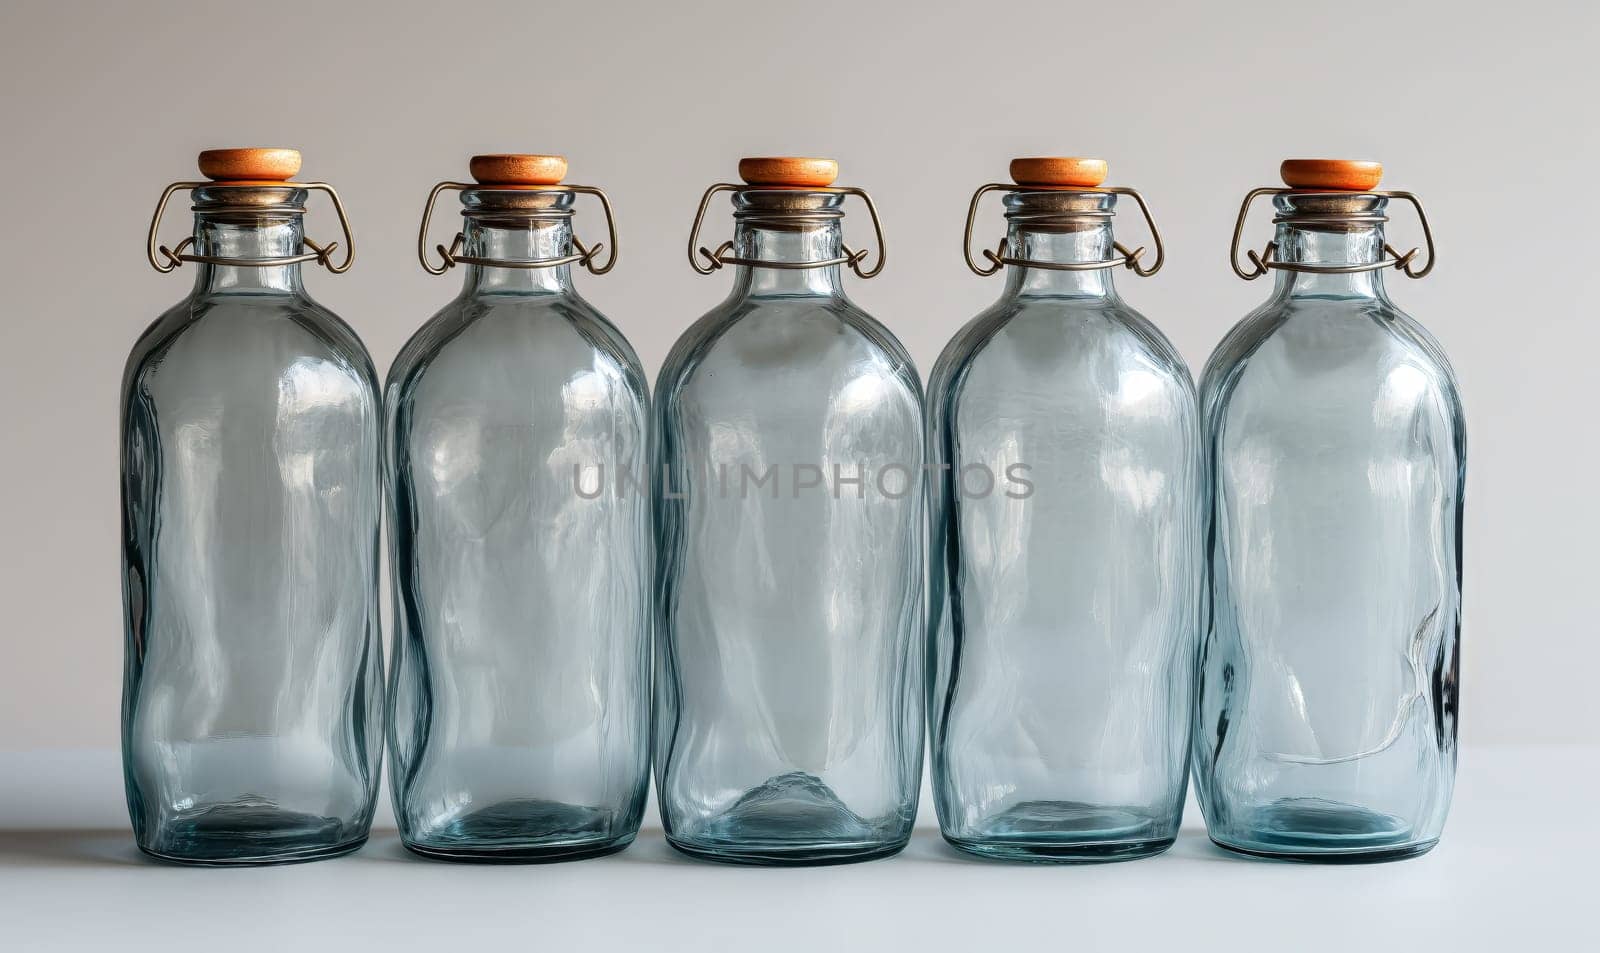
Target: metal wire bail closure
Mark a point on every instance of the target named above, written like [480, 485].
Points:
[451, 256]
[714, 260]
[998, 259]
[170, 259]
[1265, 261]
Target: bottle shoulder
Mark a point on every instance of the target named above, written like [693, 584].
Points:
[1317, 349]
[209, 335]
[769, 338]
[153, 340]
[510, 342]
[1045, 339]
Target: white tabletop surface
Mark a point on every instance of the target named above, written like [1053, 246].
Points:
[1514, 871]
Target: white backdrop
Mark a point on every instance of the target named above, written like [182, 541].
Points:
[1485, 111]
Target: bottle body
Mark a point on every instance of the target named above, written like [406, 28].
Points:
[790, 518]
[1326, 714]
[1067, 557]
[517, 422]
[250, 491]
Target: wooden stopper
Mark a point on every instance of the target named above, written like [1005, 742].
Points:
[515, 168]
[789, 172]
[250, 165]
[1341, 175]
[1059, 171]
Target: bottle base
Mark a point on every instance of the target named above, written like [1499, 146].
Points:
[1066, 832]
[521, 831]
[520, 853]
[787, 855]
[299, 856]
[242, 851]
[252, 834]
[1359, 856]
[792, 820]
[1060, 851]
[1314, 830]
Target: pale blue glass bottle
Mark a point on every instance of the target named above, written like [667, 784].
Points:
[251, 728]
[520, 543]
[1326, 708]
[790, 519]
[1066, 545]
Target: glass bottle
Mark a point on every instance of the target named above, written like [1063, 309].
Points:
[250, 510]
[790, 518]
[1326, 708]
[1066, 544]
[517, 432]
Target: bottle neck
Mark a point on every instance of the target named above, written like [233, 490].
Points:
[1059, 244]
[507, 238]
[788, 244]
[1330, 247]
[231, 236]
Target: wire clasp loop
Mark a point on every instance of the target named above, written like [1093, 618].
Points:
[714, 260]
[167, 260]
[1265, 260]
[998, 259]
[451, 256]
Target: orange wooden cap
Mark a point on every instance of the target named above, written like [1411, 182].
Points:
[795, 172]
[250, 165]
[515, 168]
[1069, 171]
[1344, 175]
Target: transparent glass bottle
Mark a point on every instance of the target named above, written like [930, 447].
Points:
[1066, 544]
[520, 543]
[250, 511]
[790, 517]
[1326, 708]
